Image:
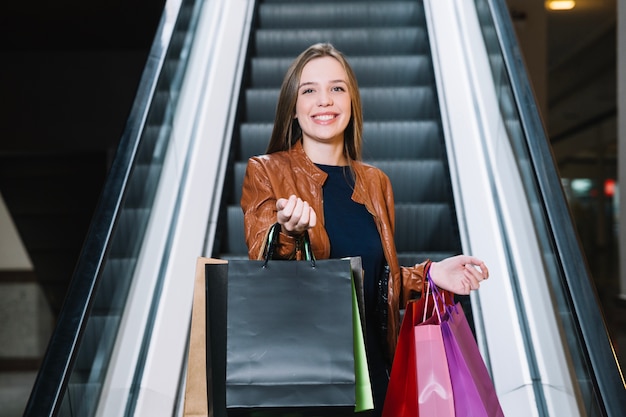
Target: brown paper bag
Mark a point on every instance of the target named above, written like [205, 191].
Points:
[196, 389]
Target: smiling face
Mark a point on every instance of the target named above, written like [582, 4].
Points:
[323, 105]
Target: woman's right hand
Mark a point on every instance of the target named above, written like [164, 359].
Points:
[294, 215]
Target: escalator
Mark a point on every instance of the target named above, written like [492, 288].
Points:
[119, 346]
[387, 46]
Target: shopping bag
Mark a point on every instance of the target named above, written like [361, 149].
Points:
[434, 387]
[295, 338]
[289, 339]
[199, 383]
[209, 348]
[401, 398]
[420, 383]
[474, 392]
[364, 397]
[214, 319]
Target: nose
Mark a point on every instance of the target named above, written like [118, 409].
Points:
[324, 99]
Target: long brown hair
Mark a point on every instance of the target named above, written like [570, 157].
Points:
[287, 131]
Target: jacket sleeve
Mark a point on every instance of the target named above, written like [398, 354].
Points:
[258, 202]
[413, 280]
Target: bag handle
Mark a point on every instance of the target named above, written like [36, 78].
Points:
[272, 242]
[439, 298]
[431, 289]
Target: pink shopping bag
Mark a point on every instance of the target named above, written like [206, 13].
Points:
[434, 387]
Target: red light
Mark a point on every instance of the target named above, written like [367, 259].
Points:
[609, 187]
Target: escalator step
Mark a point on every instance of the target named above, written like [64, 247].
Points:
[236, 239]
[425, 227]
[240, 170]
[412, 258]
[398, 103]
[407, 70]
[362, 14]
[402, 140]
[352, 42]
[422, 180]
[254, 139]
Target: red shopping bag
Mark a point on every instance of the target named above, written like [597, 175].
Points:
[401, 398]
[474, 392]
[420, 382]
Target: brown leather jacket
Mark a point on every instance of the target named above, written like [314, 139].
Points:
[281, 174]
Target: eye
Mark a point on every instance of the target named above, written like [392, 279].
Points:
[339, 88]
[306, 91]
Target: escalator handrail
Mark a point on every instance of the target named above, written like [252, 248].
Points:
[606, 370]
[52, 378]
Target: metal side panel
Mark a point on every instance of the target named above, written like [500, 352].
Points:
[519, 334]
[183, 225]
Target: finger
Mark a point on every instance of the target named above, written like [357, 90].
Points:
[480, 264]
[297, 213]
[466, 286]
[303, 222]
[484, 270]
[481, 269]
[284, 215]
[281, 203]
[296, 223]
[471, 268]
[290, 206]
[473, 277]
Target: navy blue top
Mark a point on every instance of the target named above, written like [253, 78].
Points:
[352, 232]
[351, 229]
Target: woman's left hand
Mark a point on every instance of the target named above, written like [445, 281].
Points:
[459, 274]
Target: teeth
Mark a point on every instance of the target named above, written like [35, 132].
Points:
[324, 117]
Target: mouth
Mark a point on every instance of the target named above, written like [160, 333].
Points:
[324, 117]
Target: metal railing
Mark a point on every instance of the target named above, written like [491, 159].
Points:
[70, 379]
[596, 368]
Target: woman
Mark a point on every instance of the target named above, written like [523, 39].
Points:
[312, 179]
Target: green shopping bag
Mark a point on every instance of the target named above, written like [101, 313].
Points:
[364, 397]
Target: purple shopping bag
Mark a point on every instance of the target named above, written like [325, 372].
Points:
[474, 393]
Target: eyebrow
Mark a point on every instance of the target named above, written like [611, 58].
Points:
[315, 83]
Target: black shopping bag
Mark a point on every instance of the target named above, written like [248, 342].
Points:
[205, 393]
[289, 338]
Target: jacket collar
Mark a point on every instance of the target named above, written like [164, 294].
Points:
[319, 176]
[297, 153]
